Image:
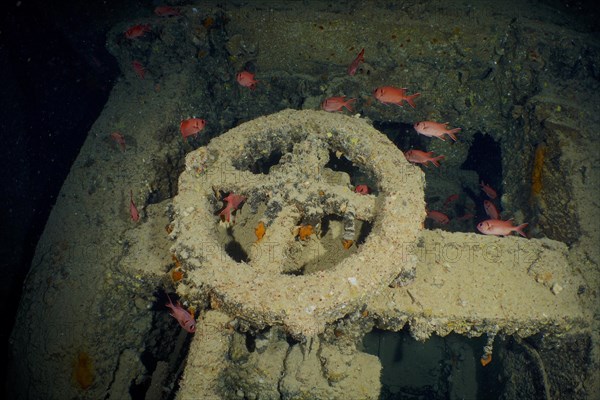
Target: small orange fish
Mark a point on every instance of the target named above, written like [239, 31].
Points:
[394, 95]
[119, 139]
[133, 211]
[233, 203]
[435, 129]
[438, 217]
[488, 190]
[336, 104]
[500, 228]
[491, 210]
[354, 66]
[183, 316]
[246, 79]
[138, 68]
[422, 157]
[137, 31]
[191, 126]
[362, 189]
[167, 11]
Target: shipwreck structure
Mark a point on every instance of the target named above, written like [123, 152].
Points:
[301, 290]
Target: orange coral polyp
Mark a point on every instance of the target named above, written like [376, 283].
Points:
[176, 261]
[536, 173]
[259, 231]
[486, 359]
[83, 370]
[176, 275]
[347, 243]
[305, 231]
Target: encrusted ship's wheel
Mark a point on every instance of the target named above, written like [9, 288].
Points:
[280, 167]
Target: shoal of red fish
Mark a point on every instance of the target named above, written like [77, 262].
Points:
[384, 94]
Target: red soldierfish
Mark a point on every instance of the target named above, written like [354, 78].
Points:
[191, 126]
[133, 211]
[500, 228]
[438, 217]
[354, 66]
[139, 68]
[488, 190]
[362, 189]
[137, 31]
[233, 203]
[435, 129]
[183, 316]
[119, 139]
[336, 104]
[394, 95]
[450, 199]
[167, 11]
[246, 79]
[491, 210]
[422, 157]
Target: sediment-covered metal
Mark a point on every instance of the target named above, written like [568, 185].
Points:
[302, 187]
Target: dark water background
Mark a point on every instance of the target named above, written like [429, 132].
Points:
[56, 77]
